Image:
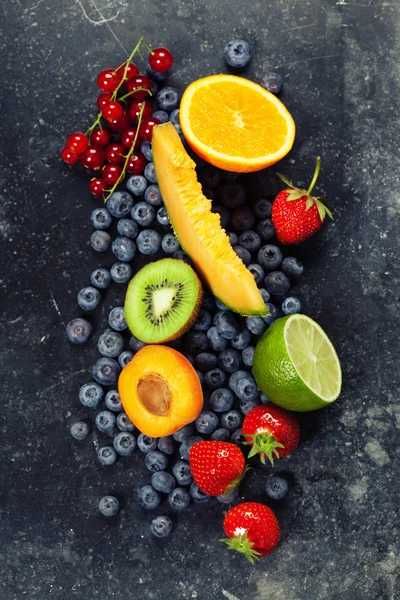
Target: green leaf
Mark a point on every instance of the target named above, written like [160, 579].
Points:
[295, 194]
[309, 203]
[321, 210]
[285, 180]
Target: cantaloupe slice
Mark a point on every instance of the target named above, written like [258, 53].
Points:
[198, 229]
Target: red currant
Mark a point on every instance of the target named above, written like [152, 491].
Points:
[103, 99]
[93, 158]
[69, 156]
[113, 111]
[139, 81]
[77, 142]
[146, 128]
[121, 124]
[134, 110]
[108, 80]
[136, 163]
[97, 186]
[128, 137]
[100, 137]
[114, 154]
[161, 60]
[111, 173]
[130, 72]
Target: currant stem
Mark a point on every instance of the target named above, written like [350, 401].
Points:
[97, 122]
[134, 92]
[316, 173]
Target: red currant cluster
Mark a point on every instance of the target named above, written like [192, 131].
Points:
[124, 121]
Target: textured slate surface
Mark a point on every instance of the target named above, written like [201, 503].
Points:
[340, 525]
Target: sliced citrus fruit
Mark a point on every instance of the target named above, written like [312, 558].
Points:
[296, 366]
[235, 124]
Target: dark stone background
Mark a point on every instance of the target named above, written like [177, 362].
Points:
[340, 525]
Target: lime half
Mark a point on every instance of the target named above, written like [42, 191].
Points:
[296, 366]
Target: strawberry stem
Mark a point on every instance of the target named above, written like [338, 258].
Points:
[242, 544]
[265, 445]
[316, 173]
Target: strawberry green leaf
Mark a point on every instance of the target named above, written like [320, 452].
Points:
[295, 194]
[242, 544]
[285, 180]
[323, 202]
[265, 445]
[309, 203]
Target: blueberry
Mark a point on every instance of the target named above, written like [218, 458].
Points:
[197, 494]
[125, 358]
[210, 176]
[121, 272]
[206, 422]
[229, 175]
[123, 248]
[233, 239]
[124, 443]
[119, 204]
[143, 213]
[91, 394]
[100, 240]
[105, 421]
[148, 497]
[181, 255]
[221, 400]
[230, 360]
[224, 213]
[226, 324]
[291, 305]
[189, 357]
[222, 435]
[237, 53]
[101, 218]
[174, 117]
[221, 305]
[110, 344]
[247, 405]
[184, 433]
[109, 506]
[266, 230]
[208, 301]
[263, 208]
[100, 278]
[179, 499]
[237, 438]
[163, 482]
[153, 195]
[89, 298]
[232, 195]
[146, 150]
[161, 115]
[243, 254]
[187, 444]
[156, 461]
[124, 423]
[215, 378]
[258, 273]
[127, 228]
[150, 173]
[272, 82]
[270, 257]
[146, 443]
[136, 344]
[168, 99]
[205, 361]
[265, 295]
[292, 267]
[216, 341]
[182, 473]
[116, 319]
[276, 283]
[196, 342]
[156, 75]
[256, 325]
[137, 184]
[203, 322]
[235, 377]
[161, 526]
[276, 487]
[148, 242]
[273, 313]
[105, 371]
[107, 455]
[246, 388]
[209, 193]
[229, 497]
[78, 331]
[154, 87]
[242, 340]
[170, 243]
[250, 240]
[167, 444]
[162, 217]
[113, 401]
[79, 430]
[247, 355]
[264, 399]
[243, 218]
[231, 420]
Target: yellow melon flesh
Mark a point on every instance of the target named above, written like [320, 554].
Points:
[198, 229]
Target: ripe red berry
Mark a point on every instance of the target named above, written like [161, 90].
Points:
[128, 137]
[108, 80]
[111, 173]
[113, 111]
[69, 156]
[93, 157]
[103, 99]
[77, 142]
[114, 154]
[121, 124]
[97, 186]
[136, 163]
[161, 60]
[146, 128]
[135, 107]
[100, 137]
[139, 81]
[130, 72]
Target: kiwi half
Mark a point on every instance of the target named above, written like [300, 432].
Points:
[162, 301]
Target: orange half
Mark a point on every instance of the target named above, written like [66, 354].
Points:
[235, 124]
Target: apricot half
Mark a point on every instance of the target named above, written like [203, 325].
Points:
[160, 391]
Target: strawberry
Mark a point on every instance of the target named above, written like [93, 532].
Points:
[252, 529]
[296, 214]
[217, 467]
[270, 430]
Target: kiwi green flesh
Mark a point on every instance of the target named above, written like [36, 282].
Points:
[162, 301]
